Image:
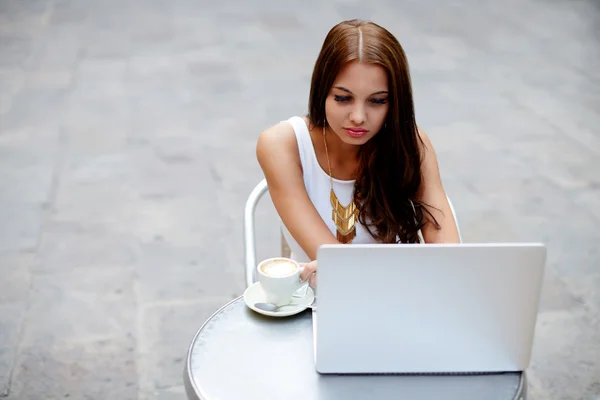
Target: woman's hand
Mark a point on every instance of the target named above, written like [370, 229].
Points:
[309, 272]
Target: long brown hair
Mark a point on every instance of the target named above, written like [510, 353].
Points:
[389, 173]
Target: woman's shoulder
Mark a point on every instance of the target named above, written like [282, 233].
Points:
[424, 139]
[426, 148]
[430, 170]
[278, 139]
[280, 134]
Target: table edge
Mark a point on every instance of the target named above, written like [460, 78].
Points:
[521, 393]
[188, 380]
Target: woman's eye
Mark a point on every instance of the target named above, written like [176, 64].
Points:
[379, 101]
[341, 98]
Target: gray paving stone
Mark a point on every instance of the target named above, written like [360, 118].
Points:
[169, 272]
[176, 176]
[27, 145]
[20, 230]
[57, 78]
[585, 288]
[165, 334]
[94, 304]
[14, 49]
[11, 318]
[572, 377]
[588, 199]
[59, 48]
[67, 246]
[40, 105]
[557, 296]
[80, 330]
[168, 220]
[76, 205]
[67, 12]
[172, 393]
[16, 277]
[93, 370]
[11, 81]
[577, 122]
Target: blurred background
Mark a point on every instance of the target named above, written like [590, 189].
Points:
[127, 152]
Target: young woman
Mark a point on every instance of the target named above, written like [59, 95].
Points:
[356, 169]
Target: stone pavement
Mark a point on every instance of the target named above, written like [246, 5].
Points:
[127, 133]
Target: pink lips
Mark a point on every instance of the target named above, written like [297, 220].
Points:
[356, 132]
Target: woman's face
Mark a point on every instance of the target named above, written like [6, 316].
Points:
[357, 104]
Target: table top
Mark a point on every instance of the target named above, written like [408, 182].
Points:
[239, 353]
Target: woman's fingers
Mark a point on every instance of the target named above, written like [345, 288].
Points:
[309, 272]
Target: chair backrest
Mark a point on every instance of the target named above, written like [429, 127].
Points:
[250, 234]
[249, 231]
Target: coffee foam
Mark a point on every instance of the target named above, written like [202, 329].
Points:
[279, 268]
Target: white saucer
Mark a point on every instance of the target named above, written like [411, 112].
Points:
[255, 294]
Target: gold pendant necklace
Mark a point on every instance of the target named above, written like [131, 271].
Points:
[344, 217]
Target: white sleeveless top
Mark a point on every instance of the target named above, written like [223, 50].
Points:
[318, 187]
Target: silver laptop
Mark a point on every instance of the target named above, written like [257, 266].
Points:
[429, 308]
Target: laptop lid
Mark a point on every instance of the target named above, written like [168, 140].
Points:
[427, 308]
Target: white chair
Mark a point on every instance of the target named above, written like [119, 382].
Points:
[250, 236]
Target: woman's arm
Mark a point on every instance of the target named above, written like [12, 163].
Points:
[277, 154]
[432, 193]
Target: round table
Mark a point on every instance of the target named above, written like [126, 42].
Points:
[240, 354]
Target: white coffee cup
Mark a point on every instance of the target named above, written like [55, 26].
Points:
[280, 278]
